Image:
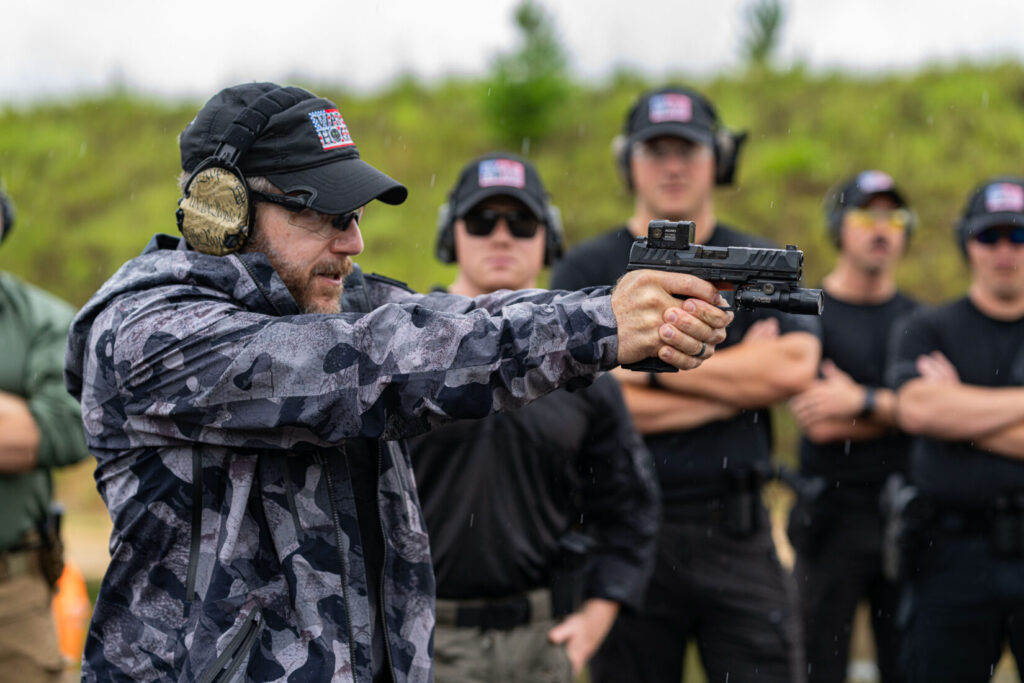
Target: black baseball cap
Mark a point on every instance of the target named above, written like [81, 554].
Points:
[498, 174]
[676, 111]
[999, 201]
[858, 191]
[306, 147]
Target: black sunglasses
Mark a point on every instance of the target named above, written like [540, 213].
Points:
[481, 222]
[991, 236]
[339, 221]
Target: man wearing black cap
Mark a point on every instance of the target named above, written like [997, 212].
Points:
[850, 444]
[959, 372]
[541, 520]
[40, 429]
[245, 401]
[717, 578]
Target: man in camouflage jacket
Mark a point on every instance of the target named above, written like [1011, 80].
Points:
[247, 432]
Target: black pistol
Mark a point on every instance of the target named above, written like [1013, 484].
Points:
[757, 276]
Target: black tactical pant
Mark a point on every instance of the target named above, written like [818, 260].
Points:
[833, 574]
[964, 602]
[729, 593]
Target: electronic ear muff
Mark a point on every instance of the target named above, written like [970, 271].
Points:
[727, 155]
[444, 247]
[215, 210]
[7, 213]
[725, 147]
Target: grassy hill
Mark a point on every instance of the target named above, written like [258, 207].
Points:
[94, 178]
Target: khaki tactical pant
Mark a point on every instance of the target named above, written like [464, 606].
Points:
[28, 636]
[519, 655]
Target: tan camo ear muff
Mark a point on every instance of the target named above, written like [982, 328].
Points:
[215, 212]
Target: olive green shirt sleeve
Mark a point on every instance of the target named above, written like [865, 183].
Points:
[46, 320]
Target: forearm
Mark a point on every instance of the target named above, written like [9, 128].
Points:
[957, 412]
[835, 429]
[655, 411]
[19, 435]
[753, 374]
[1008, 442]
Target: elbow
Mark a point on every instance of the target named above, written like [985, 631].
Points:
[800, 368]
[913, 414]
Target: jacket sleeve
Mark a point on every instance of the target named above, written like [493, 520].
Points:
[203, 369]
[55, 411]
[620, 500]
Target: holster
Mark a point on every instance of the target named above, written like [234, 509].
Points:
[813, 515]
[568, 579]
[907, 516]
[741, 505]
[51, 548]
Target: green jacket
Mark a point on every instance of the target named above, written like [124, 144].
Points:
[33, 333]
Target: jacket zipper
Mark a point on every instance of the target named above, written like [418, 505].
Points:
[341, 555]
[383, 566]
[228, 662]
[197, 524]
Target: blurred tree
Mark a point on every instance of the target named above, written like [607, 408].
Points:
[763, 20]
[526, 88]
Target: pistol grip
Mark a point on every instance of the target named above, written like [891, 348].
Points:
[650, 365]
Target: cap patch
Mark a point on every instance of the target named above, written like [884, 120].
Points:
[870, 182]
[505, 172]
[670, 107]
[1004, 197]
[331, 128]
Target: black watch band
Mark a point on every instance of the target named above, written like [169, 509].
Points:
[868, 408]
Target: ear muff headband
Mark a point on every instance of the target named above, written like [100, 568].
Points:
[444, 247]
[215, 211]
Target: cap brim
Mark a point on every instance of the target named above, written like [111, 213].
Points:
[674, 129]
[498, 191]
[991, 220]
[341, 186]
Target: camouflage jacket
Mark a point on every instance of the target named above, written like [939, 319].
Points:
[220, 418]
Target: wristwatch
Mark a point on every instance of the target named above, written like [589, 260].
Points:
[868, 407]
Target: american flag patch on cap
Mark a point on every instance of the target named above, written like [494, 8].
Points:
[670, 107]
[506, 172]
[1004, 197]
[874, 181]
[331, 128]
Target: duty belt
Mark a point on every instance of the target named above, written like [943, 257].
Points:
[21, 558]
[500, 614]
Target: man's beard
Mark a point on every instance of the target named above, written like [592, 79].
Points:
[298, 282]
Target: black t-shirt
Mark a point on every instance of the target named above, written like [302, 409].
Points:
[856, 338]
[985, 352]
[499, 493]
[694, 464]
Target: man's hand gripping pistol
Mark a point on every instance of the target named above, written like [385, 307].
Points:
[757, 277]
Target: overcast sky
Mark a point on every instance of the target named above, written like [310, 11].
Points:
[192, 48]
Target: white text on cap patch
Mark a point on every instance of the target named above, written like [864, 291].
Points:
[670, 107]
[505, 172]
[1004, 197]
[331, 128]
